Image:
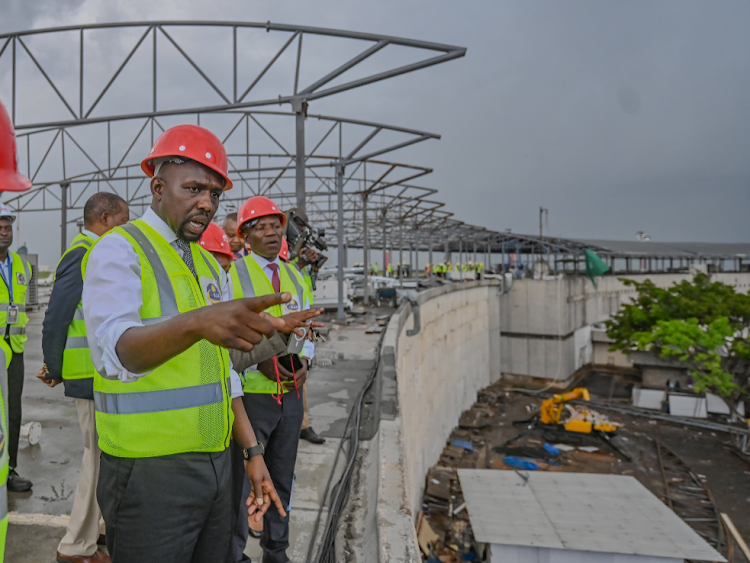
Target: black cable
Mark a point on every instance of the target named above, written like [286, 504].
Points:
[327, 548]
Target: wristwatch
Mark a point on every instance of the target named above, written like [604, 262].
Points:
[257, 449]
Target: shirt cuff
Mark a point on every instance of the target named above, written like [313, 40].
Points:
[235, 384]
[308, 350]
[113, 368]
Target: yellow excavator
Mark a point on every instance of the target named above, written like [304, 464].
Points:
[579, 419]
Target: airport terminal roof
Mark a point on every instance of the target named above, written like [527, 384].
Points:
[534, 244]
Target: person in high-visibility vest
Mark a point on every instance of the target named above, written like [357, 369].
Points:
[67, 358]
[272, 398]
[235, 241]
[16, 276]
[10, 181]
[159, 321]
[215, 241]
[5, 356]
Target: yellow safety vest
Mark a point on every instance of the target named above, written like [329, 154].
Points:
[184, 405]
[20, 278]
[77, 362]
[307, 276]
[249, 280]
[5, 355]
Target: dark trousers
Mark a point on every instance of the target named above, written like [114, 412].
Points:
[278, 427]
[171, 509]
[15, 390]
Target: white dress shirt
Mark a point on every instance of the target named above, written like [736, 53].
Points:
[308, 350]
[112, 298]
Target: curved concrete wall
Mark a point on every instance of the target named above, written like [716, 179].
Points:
[440, 369]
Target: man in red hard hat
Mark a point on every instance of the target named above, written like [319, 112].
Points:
[272, 388]
[216, 241]
[10, 181]
[159, 322]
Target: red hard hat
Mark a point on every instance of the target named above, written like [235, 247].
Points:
[214, 239]
[10, 179]
[284, 252]
[257, 207]
[193, 142]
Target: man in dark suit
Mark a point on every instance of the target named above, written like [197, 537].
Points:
[67, 359]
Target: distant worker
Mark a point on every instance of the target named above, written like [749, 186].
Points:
[67, 359]
[159, 323]
[235, 241]
[272, 389]
[216, 241]
[427, 269]
[16, 274]
[10, 181]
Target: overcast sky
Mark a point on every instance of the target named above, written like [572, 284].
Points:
[617, 116]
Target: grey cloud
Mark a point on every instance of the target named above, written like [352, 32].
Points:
[617, 116]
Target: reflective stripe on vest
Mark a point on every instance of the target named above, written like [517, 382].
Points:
[159, 401]
[3, 500]
[76, 342]
[244, 276]
[167, 299]
[5, 354]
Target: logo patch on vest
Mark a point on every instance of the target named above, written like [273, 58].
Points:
[292, 306]
[212, 293]
[20, 278]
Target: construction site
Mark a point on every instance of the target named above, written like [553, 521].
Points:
[480, 396]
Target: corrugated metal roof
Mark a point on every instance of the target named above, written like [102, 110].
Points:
[582, 511]
[669, 249]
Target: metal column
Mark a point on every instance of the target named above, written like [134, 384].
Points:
[300, 112]
[400, 248]
[432, 264]
[365, 246]
[385, 245]
[64, 217]
[340, 234]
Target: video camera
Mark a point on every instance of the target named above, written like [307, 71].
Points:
[299, 237]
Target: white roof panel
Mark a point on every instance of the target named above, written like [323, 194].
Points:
[580, 511]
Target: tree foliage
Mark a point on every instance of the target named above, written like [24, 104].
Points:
[703, 324]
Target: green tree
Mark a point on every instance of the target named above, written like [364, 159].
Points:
[703, 324]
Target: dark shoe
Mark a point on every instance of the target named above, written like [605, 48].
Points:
[18, 484]
[98, 557]
[310, 435]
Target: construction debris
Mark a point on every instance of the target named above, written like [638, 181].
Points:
[487, 438]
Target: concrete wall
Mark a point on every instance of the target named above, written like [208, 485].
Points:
[440, 369]
[541, 321]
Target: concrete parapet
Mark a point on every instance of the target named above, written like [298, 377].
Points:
[441, 368]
